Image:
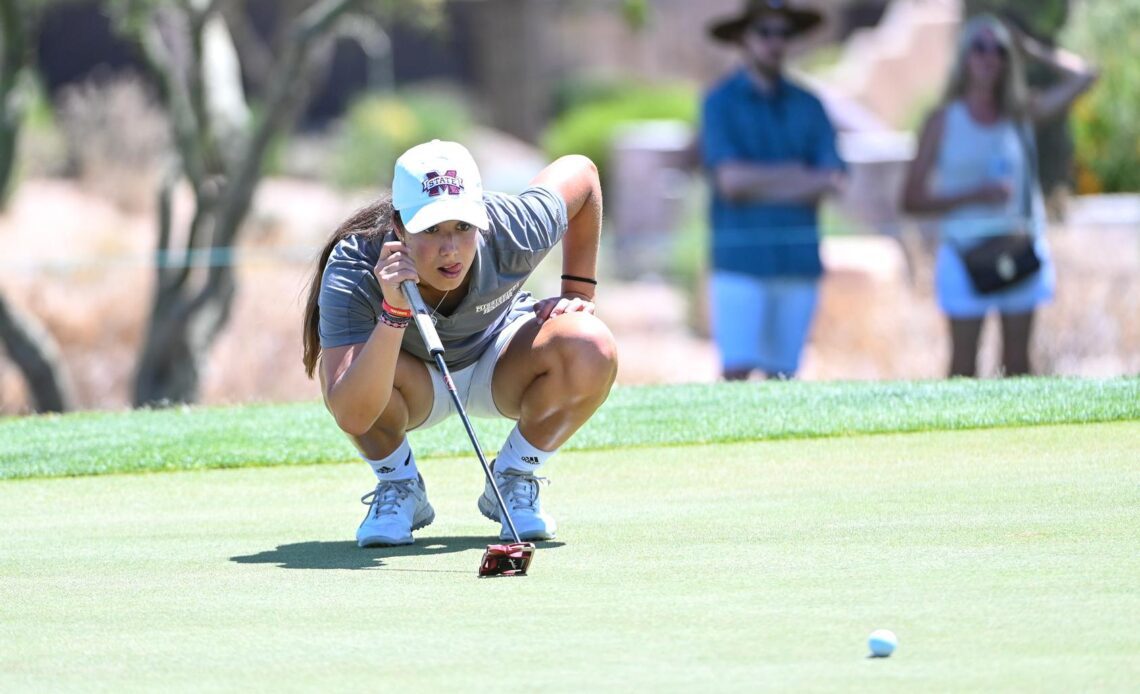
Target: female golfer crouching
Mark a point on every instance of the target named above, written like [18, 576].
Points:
[548, 364]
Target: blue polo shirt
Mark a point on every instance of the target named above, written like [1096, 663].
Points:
[742, 123]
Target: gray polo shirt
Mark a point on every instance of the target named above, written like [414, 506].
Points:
[523, 230]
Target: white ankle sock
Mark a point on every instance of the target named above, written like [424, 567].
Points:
[519, 454]
[400, 465]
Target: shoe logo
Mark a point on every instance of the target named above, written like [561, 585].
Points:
[530, 460]
[387, 470]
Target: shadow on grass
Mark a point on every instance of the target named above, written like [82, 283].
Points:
[346, 555]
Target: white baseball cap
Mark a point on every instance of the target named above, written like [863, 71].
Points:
[437, 182]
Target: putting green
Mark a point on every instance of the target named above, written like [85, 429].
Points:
[1004, 559]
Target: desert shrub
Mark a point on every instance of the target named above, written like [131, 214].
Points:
[581, 89]
[1106, 121]
[1043, 18]
[589, 128]
[117, 138]
[378, 128]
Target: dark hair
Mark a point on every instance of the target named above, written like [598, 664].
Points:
[371, 222]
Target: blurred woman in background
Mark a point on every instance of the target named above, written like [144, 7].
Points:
[976, 168]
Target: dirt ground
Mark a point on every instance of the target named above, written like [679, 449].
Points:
[81, 266]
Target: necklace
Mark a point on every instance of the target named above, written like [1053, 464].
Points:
[435, 311]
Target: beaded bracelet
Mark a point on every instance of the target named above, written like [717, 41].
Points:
[392, 320]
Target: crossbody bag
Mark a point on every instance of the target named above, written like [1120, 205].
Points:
[1002, 261]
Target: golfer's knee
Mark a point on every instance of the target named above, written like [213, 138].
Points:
[587, 354]
[390, 424]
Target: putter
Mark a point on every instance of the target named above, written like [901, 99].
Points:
[498, 560]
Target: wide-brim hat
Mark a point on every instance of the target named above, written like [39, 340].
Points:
[731, 29]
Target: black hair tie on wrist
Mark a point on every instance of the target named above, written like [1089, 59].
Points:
[575, 278]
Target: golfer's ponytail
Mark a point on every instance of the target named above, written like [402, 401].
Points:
[371, 222]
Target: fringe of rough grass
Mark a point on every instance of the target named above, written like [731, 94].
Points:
[188, 438]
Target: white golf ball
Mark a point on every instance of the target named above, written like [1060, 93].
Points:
[882, 642]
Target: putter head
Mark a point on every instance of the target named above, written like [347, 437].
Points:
[506, 560]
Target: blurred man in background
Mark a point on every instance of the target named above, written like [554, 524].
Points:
[770, 152]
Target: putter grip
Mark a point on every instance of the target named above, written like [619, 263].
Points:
[422, 317]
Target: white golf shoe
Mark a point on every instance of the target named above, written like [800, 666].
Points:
[520, 492]
[395, 509]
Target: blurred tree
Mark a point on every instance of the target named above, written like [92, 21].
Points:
[513, 54]
[30, 346]
[1106, 122]
[636, 14]
[222, 140]
[18, 21]
[27, 343]
[1043, 20]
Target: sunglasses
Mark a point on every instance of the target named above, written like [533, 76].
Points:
[982, 47]
[771, 31]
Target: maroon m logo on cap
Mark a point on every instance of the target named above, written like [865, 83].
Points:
[450, 183]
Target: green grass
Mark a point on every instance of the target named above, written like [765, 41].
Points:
[1004, 558]
[196, 438]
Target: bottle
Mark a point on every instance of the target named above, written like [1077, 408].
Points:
[1000, 169]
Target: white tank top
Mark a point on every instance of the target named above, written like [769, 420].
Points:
[972, 153]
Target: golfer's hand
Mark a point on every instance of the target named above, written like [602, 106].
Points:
[394, 266]
[558, 305]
